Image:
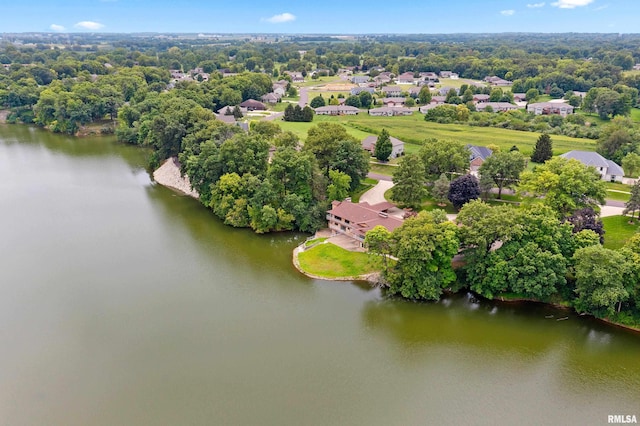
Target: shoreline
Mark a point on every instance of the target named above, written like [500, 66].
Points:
[168, 175]
[374, 279]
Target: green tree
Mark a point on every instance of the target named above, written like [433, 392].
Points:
[350, 158]
[463, 189]
[409, 182]
[424, 250]
[378, 241]
[440, 190]
[618, 138]
[383, 147]
[443, 156]
[564, 185]
[424, 96]
[353, 101]
[365, 99]
[323, 141]
[543, 149]
[600, 278]
[531, 95]
[504, 168]
[633, 205]
[317, 102]
[338, 189]
[631, 164]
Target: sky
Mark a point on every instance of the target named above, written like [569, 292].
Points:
[320, 16]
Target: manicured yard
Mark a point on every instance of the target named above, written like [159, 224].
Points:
[315, 241]
[330, 261]
[382, 169]
[618, 231]
[414, 130]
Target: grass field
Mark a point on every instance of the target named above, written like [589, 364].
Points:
[413, 130]
[618, 230]
[330, 261]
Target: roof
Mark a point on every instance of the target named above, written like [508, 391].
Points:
[392, 89]
[589, 158]
[496, 105]
[552, 105]
[252, 103]
[370, 141]
[391, 110]
[337, 108]
[393, 100]
[479, 152]
[364, 217]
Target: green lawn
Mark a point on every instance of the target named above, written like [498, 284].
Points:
[330, 261]
[414, 130]
[618, 231]
[382, 170]
[618, 196]
[314, 241]
[635, 114]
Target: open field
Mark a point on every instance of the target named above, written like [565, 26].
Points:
[618, 230]
[414, 130]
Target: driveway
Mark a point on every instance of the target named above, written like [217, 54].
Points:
[376, 194]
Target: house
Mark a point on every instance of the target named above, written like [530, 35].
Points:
[497, 81]
[359, 79]
[423, 109]
[355, 220]
[369, 144]
[496, 106]
[270, 98]
[480, 97]
[429, 76]
[358, 90]
[231, 120]
[296, 77]
[477, 156]
[438, 100]
[446, 74]
[519, 97]
[405, 78]
[337, 110]
[228, 110]
[414, 91]
[253, 105]
[391, 91]
[608, 170]
[389, 111]
[443, 91]
[550, 108]
[393, 102]
[279, 90]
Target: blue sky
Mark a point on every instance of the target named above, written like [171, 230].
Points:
[320, 16]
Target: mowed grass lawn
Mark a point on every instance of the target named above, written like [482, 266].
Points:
[618, 230]
[413, 130]
[330, 261]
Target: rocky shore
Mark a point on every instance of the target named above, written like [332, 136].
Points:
[169, 175]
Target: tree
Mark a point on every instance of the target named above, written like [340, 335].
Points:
[353, 101]
[543, 150]
[383, 147]
[600, 278]
[631, 164]
[633, 205]
[424, 250]
[618, 139]
[463, 189]
[443, 156]
[350, 158]
[378, 241]
[317, 102]
[323, 140]
[338, 189]
[531, 95]
[504, 168]
[587, 219]
[409, 182]
[424, 96]
[440, 190]
[564, 185]
[365, 99]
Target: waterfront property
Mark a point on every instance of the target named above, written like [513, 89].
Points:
[355, 220]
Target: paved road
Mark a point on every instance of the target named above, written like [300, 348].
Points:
[304, 97]
[376, 194]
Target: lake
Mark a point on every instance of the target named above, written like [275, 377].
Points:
[124, 303]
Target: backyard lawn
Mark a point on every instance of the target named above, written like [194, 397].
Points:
[330, 261]
[618, 230]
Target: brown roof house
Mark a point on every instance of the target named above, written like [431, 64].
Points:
[369, 144]
[545, 108]
[253, 105]
[355, 220]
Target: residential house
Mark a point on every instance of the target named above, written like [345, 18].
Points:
[253, 105]
[496, 106]
[423, 109]
[360, 79]
[608, 170]
[357, 90]
[391, 91]
[414, 91]
[446, 74]
[519, 97]
[477, 156]
[405, 78]
[389, 111]
[228, 110]
[270, 98]
[480, 97]
[296, 77]
[546, 108]
[231, 120]
[497, 81]
[369, 144]
[429, 76]
[337, 110]
[355, 220]
[393, 102]
[444, 90]
[438, 100]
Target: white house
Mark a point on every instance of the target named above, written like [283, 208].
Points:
[369, 144]
[608, 170]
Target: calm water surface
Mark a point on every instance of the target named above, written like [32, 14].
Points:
[123, 303]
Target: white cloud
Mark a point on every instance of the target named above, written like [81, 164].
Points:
[282, 18]
[89, 25]
[571, 4]
[56, 27]
[601, 8]
[534, 5]
[507, 12]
